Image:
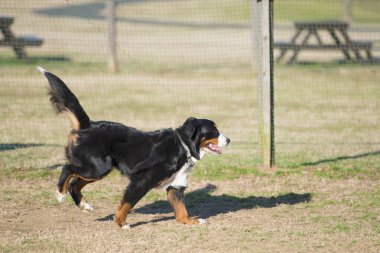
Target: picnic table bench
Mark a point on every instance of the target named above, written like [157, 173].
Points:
[352, 50]
[17, 43]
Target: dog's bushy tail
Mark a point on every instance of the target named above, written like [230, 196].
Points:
[65, 102]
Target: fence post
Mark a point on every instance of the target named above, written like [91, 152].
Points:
[254, 30]
[111, 31]
[264, 53]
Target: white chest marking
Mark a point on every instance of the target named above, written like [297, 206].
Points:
[180, 178]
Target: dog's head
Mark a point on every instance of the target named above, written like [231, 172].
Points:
[202, 135]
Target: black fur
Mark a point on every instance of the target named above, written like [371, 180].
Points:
[146, 158]
[63, 100]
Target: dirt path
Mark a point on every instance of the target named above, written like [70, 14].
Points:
[282, 214]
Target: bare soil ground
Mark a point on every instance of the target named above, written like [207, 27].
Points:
[270, 213]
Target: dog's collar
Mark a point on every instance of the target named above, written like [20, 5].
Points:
[190, 159]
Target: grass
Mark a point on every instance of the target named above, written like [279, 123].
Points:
[222, 11]
[231, 167]
[322, 195]
[291, 10]
[335, 148]
[34, 244]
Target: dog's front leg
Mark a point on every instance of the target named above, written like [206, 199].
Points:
[177, 201]
[134, 192]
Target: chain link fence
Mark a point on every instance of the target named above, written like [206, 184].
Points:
[326, 79]
[194, 58]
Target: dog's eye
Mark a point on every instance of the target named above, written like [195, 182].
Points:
[213, 134]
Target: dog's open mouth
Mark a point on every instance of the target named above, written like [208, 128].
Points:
[213, 148]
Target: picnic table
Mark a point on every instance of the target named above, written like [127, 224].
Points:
[337, 30]
[18, 43]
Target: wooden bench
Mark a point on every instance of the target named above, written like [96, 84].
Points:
[334, 28]
[17, 43]
[354, 46]
[324, 24]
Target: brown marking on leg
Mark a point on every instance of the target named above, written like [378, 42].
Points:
[79, 186]
[89, 180]
[176, 200]
[133, 193]
[122, 213]
[83, 204]
[65, 186]
[76, 185]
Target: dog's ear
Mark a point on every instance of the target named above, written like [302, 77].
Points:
[190, 120]
[192, 129]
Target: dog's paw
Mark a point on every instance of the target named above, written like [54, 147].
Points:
[86, 207]
[59, 196]
[202, 221]
[192, 221]
[126, 227]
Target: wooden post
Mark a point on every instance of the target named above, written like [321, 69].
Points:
[254, 31]
[111, 31]
[264, 54]
[347, 10]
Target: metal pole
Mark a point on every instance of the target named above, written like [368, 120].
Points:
[111, 31]
[265, 79]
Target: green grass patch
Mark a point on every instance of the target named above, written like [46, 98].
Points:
[153, 196]
[339, 172]
[35, 244]
[28, 66]
[293, 10]
[44, 196]
[27, 173]
[366, 199]
[363, 11]
[341, 227]
[131, 65]
[226, 167]
[336, 224]
[286, 172]
[34, 174]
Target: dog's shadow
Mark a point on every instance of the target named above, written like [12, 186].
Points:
[203, 204]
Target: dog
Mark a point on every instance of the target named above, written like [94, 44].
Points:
[161, 158]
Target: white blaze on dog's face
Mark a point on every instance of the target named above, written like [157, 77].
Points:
[223, 141]
[215, 145]
[213, 141]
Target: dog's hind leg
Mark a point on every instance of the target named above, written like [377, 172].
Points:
[75, 187]
[82, 176]
[63, 182]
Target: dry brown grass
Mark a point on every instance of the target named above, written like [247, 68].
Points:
[323, 196]
[292, 213]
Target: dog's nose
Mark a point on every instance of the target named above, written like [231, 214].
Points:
[228, 140]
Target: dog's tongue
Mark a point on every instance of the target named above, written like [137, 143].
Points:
[214, 148]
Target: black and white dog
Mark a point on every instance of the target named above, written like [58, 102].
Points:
[161, 158]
